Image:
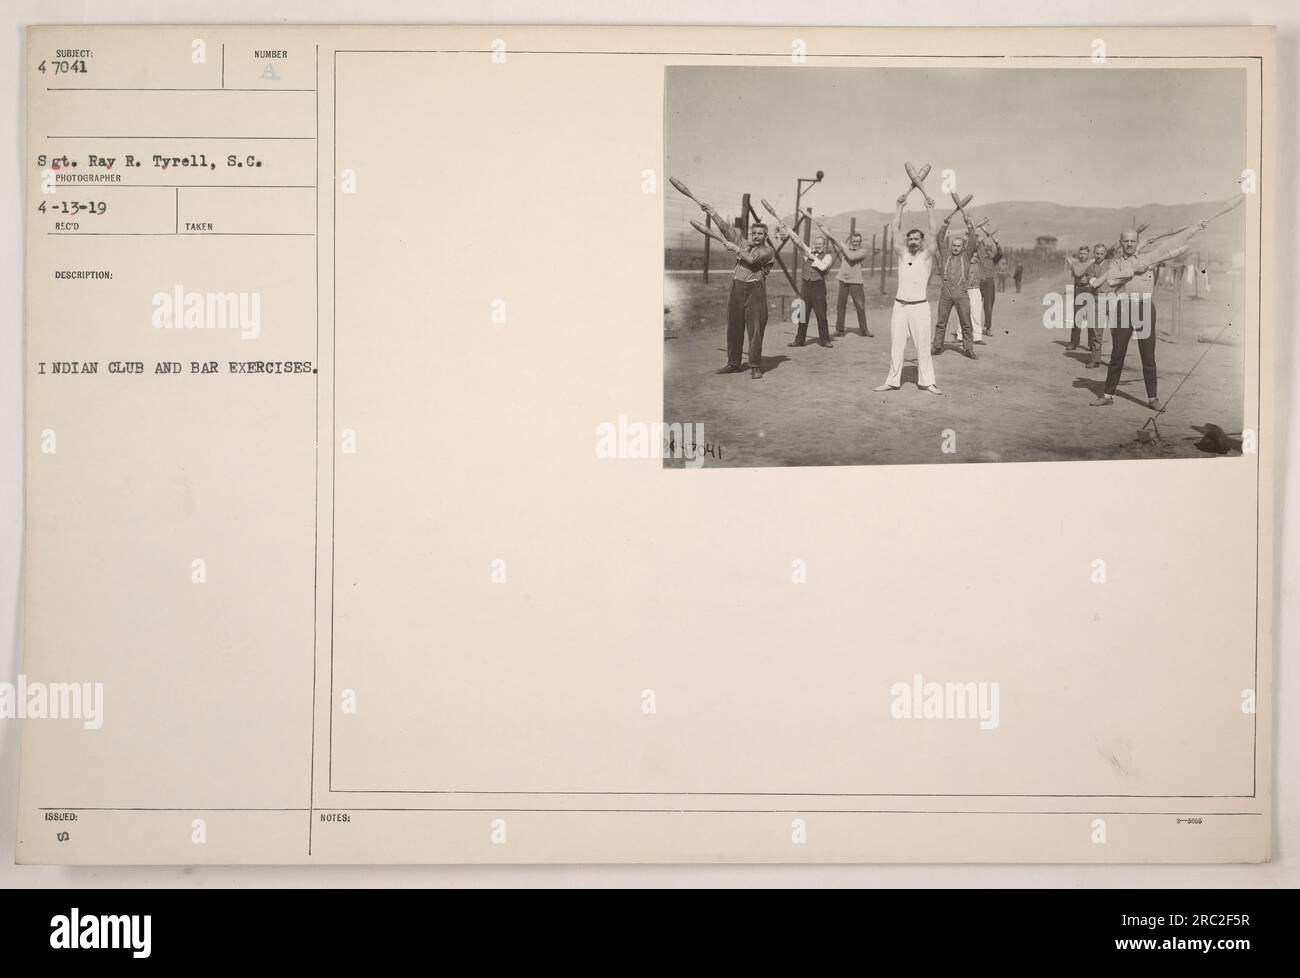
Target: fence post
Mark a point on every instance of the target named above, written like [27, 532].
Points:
[884, 252]
[807, 234]
[1179, 271]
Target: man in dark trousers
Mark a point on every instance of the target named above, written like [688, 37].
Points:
[990, 254]
[956, 277]
[1019, 274]
[1097, 311]
[1133, 281]
[850, 281]
[1082, 269]
[747, 303]
[814, 294]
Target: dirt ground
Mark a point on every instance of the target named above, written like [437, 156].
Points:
[1026, 399]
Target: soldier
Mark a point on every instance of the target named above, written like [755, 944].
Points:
[747, 302]
[1136, 310]
[1082, 269]
[973, 297]
[990, 254]
[850, 281]
[814, 293]
[1097, 310]
[957, 272]
[911, 315]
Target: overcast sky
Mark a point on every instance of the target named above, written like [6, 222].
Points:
[1100, 137]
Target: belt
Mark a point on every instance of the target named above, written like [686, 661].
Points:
[909, 302]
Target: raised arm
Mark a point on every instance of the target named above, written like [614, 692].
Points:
[797, 241]
[1151, 241]
[932, 245]
[1112, 275]
[972, 237]
[854, 254]
[729, 232]
[899, 246]
[830, 239]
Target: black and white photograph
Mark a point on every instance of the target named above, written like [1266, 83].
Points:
[876, 265]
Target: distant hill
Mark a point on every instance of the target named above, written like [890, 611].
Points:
[1019, 222]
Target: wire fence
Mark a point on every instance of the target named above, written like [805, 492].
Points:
[686, 250]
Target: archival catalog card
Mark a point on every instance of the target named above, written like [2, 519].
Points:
[647, 445]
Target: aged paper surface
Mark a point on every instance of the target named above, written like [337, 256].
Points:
[342, 349]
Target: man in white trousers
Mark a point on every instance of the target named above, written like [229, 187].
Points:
[975, 301]
[911, 315]
[982, 265]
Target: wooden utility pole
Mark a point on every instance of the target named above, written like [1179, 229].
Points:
[884, 256]
[1178, 271]
[807, 227]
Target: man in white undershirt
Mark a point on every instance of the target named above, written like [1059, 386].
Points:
[911, 314]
